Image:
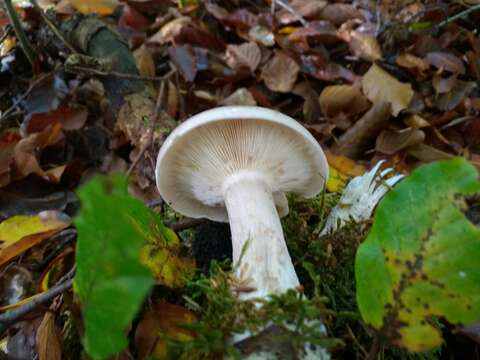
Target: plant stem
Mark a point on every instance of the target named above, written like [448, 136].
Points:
[459, 15]
[374, 349]
[17, 26]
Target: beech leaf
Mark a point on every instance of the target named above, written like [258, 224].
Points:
[424, 253]
[280, 73]
[379, 86]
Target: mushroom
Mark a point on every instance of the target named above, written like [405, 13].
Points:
[235, 164]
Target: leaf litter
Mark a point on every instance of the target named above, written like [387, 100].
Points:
[397, 82]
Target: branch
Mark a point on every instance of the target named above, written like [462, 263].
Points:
[460, 15]
[290, 10]
[14, 315]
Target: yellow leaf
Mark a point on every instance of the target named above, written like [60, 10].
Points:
[144, 61]
[162, 255]
[341, 169]
[100, 7]
[19, 233]
[379, 86]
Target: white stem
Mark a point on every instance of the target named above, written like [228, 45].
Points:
[265, 264]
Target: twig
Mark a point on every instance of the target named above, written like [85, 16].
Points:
[187, 224]
[120, 75]
[374, 349]
[6, 32]
[22, 97]
[291, 11]
[17, 26]
[52, 27]
[14, 315]
[459, 15]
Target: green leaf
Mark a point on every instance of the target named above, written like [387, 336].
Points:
[420, 260]
[110, 280]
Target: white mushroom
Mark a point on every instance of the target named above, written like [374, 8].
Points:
[234, 164]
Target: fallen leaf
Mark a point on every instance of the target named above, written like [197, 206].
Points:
[427, 153]
[416, 121]
[280, 73]
[244, 55]
[446, 61]
[48, 340]
[101, 7]
[184, 57]
[364, 46]
[415, 64]
[443, 84]
[162, 254]
[390, 142]
[347, 99]
[144, 61]
[341, 169]
[240, 97]
[379, 86]
[132, 19]
[70, 118]
[168, 31]
[308, 9]
[320, 68]
[196, 36]
[316, 32]
[339, 13]
[172, 100]
[311, 106]
[19, 233]
[452, 99]
[262, 35]
[160, 322]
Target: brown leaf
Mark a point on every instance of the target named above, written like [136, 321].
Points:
[244, 55]
[365, 46]
[416, 121]
[416, 65]
[280, 73]
[427, 153]
[262, 35]
[47, 339]
[379, 86]
[347, 99]
[172, 100]
[442, 84]
[184, 57]
[160, 321]
[170, 30]
[196, 36]
[311, 107]
[452, 99]
[144, 61]
[316, 32]
[389, 142]
[319, 67]
[239, 19]
[446, 61]
[339, 13]
[240, 97]
[306, 8]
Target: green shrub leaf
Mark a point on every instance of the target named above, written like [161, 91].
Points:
[110, 280]
[421, 258]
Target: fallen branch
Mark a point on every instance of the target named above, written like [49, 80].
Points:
[120, 74]
[187, 224]
[6, 319]
[459, 15]
[290, 10]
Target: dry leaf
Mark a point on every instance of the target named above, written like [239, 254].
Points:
[47, 339]
[446, 61]
[144, 61]
[389, 142]
[311, 107]
[172, 100]
[240, 97]
[306, 8]
[19, 233]
[244, 55]
[416, 121]
[162, 320]
[341, 169]
[347, 99]
[339, 13]
[416, 65]
[101, 7]
[280, 73]
[379, 86]
[365, 46]
[427, 153]
[442, 84]
[170, 30]
[261, 35]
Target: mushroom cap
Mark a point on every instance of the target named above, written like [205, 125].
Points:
[218, 144]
